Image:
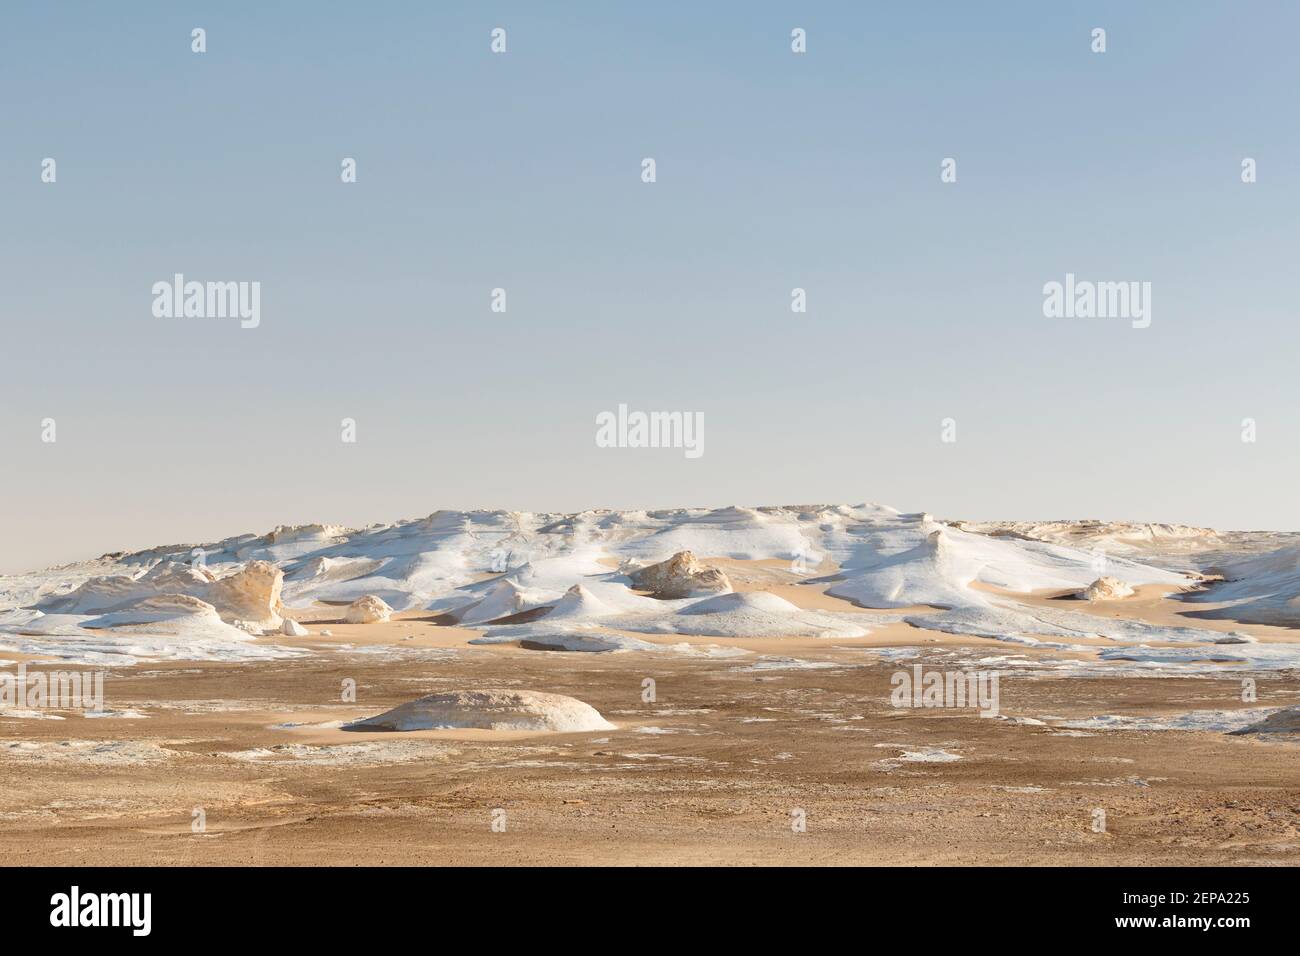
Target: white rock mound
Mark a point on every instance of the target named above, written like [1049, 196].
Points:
[172, 615]
[509, 710]
[681, 576]
[579, 604]
[293, 629]
[1106, 589]
[368, 610]
[751, 614]
[251, 594]
[504, 599]
[1285, 721]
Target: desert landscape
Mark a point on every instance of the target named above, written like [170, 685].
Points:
[728, 686]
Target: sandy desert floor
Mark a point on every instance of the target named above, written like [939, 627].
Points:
[713, 771]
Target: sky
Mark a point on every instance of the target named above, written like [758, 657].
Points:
[523, 171]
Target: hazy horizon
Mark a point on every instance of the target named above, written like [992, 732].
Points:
[522, 171]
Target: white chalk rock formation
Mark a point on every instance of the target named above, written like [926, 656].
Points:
[368, 610]
[504, 599]
[293, 629]
[681, 576]
[580, 604]
[1286, 721]
[489, 710]
[1106, 589]
[251, 594]
[173, 615]
[754, 614]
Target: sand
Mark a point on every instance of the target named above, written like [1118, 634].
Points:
[707, 773]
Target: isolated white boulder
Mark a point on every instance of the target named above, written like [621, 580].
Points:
[489, 710]
[368, 610]
[293, 629]
[681, 576]
[1106, 589]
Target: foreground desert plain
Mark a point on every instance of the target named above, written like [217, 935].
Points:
[668, 687]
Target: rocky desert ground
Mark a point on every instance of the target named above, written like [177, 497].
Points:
[680, 687]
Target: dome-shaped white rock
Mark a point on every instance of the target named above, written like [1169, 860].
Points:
[489, 710]
[368, 610]
[1106, 589]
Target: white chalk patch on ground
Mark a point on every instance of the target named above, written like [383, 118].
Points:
[768, 663]
[1211, 720]
[97, 752]
[588, 639]
[928, 755]
[116, 714]
[910, 753]
[361, 754]
[13, 713]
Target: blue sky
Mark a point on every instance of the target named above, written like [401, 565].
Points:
[522, 170]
